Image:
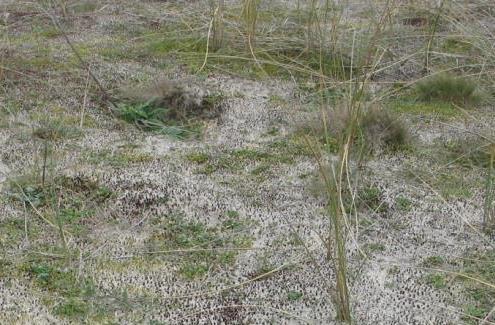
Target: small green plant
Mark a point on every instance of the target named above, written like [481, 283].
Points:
[103, 193]
[151, 118]
[371, 197]
[70, 215]
[232, 222]
[227, 258]
[436, 280]
[30, 194]
[474, 311]
[294, 295]
[403, 203]
[454, 186]
[232, 214]
[448, 88]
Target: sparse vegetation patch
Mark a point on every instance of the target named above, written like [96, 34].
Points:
[169, 107]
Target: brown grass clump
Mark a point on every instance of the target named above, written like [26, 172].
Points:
[377, 129]
[383, 131]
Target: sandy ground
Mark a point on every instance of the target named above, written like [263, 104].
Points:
[281, 276]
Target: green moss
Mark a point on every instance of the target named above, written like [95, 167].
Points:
[433, 108]
[50, 32]
[198, 157]
[474, 311]
[73, 218]
[208, 169]
[176, 43]
[250, 154]
[228, 258]
[232, 214]
[81, 7]
[12, 232]
[456, 45]
[481, 266]
[433, 261]
[70, 199]
[72, 307]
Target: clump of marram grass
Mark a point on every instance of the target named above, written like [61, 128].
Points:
[383, 131]
[448, 88]
[169, 107]
[377, 129]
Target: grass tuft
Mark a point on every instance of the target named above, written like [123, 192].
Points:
[378, 130]
[383, 131]
[448, 88]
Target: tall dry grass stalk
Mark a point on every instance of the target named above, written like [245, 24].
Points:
[489, 206]
[250, 15]
[431, 37]
[218, 26]
[337, 178]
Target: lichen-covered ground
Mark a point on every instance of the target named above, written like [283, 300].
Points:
[230, 226]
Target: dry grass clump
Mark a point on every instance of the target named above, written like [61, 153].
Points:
[448, 88]
[383, 131]
[377, 129]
